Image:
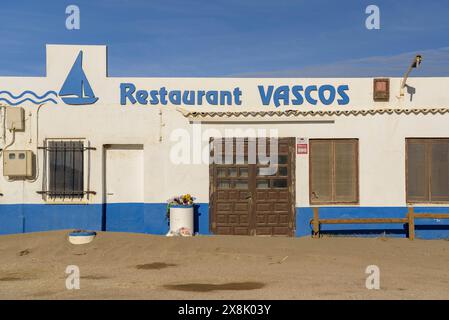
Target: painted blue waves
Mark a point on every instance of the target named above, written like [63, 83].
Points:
[27, 95]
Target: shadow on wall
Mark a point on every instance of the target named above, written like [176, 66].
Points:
[196, 217]
[424, 231]
[365, 232]
[411, 91]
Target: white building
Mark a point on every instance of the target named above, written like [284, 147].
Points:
[84, 150]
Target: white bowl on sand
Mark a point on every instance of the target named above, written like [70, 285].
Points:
[81, 237]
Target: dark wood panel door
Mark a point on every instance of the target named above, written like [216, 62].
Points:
[274, 193]
[248, 196]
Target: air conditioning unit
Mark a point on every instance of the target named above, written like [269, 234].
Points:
[18, 163]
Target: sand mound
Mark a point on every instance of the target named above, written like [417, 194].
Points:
[139, 266]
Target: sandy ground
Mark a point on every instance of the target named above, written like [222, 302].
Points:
[138, 266]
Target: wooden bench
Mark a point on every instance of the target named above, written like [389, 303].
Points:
[410, 220]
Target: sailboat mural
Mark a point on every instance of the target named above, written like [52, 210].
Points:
[76, 89]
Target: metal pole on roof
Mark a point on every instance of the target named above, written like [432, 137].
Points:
[415, 64]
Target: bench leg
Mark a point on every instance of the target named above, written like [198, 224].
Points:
[411, 223]
[316, 224]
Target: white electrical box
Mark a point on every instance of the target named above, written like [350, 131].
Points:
[15, 118]
[18, 163]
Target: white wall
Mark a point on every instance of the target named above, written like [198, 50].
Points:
[381, 137]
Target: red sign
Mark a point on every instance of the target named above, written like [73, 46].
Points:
[301, 148]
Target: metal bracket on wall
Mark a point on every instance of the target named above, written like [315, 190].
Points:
[66, 149]
[65, 193]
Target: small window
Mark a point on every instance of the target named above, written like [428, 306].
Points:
[12, 156]
[224, 184]
[333, 171]
[279, 183]
[263, 184]
[221, 172]
[241, 184]
[232, 172]
[243, 172]
[21, 156]
[283, 159]
[65, 169]
[283, 171]
[427, 175]
[266, 171]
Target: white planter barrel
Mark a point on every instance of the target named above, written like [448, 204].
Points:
[181, 217]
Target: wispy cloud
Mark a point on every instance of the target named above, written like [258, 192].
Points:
[435, 63]
[201, 38]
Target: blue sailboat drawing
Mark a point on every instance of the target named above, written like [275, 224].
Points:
[76, 89]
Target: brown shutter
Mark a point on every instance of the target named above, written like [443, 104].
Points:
[346, 171]
[333, 171]
[321, 171]
[439, 187]
[417, 171]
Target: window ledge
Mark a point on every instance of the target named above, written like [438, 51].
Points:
[428, 204]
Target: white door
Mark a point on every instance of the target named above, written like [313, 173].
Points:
[123, 188]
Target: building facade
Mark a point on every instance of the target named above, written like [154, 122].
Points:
[84, 150]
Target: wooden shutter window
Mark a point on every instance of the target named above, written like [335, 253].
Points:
[321, 171]
[417, 172]
[345, 171]
[439, 183]
[333, 171]
[427, 175]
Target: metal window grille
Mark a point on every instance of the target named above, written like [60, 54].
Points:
[65, 169]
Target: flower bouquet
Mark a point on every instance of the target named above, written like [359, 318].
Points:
[182, 200]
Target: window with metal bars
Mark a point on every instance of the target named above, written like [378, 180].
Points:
[427, 170]
[65, 169]
[333, 165]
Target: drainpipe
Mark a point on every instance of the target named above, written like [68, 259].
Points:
[37, 144]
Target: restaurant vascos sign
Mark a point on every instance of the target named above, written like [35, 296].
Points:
[279, 96]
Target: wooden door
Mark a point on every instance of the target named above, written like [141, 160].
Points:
[246, 196]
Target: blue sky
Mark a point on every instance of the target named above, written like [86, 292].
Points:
[248, 38]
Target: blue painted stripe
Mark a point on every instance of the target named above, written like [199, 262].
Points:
[124, 217]
[424, 228]
[150, 218]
